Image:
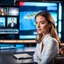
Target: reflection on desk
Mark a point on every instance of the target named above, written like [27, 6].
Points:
[17, 50]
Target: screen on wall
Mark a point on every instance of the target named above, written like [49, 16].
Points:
[9, 22]
[28, 10]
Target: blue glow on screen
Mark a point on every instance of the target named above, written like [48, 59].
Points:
[2, 21]
[60, 11]
[27, 36]
[39, 4]
[27, 21]
[59, 26]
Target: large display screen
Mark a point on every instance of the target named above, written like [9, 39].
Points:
[28, 10]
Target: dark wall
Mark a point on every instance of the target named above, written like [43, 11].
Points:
[6, 2]
[62, 23]
[11, 2]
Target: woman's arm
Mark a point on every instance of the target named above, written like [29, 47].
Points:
[35, 57]
[50, 51]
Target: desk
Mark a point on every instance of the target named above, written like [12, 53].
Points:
[7, 58]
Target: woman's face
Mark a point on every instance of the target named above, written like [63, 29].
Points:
[2, 10]
[42, 25]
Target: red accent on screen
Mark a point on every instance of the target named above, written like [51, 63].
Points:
[21, 3]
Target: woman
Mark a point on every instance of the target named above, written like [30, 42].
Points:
[47, 41]
[2, 11]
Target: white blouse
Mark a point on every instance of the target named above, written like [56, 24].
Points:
[50, 50]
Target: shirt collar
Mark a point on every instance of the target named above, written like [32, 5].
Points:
[46, 38]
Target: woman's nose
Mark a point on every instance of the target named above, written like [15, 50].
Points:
[38, 25]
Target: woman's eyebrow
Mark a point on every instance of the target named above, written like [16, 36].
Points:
[42, 21]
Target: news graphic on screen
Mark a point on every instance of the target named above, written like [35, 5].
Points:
[3, 11]
[28, 10]
[9, 24]
[2, 22]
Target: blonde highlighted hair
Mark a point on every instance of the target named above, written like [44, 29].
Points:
[52, 30]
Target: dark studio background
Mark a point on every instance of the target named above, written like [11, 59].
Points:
[11, 2]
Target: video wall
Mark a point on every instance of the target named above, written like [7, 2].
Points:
[9, 22]
[18, 22]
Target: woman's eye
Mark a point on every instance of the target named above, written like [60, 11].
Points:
[42, 23]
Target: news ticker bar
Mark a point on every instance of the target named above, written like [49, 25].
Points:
[9, 31]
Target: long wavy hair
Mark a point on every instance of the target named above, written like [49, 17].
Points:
[52, 30]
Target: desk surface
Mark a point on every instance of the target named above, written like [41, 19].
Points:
[8, 58]
[17, 50]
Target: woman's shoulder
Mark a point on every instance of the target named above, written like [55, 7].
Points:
[52, 40]
[49, 39]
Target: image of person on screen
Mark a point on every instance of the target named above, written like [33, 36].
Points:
[2, 11]
[47, 40]
[12, 23]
